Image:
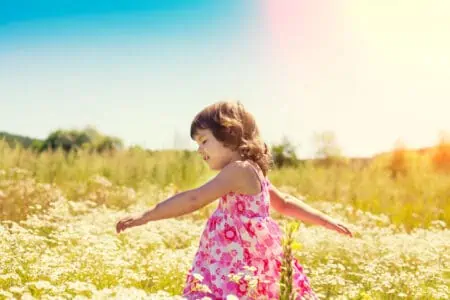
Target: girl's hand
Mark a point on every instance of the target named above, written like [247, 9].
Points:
[339, 227]
[127, 222]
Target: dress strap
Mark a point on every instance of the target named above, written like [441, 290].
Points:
[257, 170]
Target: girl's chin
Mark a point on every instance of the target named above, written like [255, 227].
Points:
[211, 165]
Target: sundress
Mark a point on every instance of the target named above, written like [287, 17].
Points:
[240, 252]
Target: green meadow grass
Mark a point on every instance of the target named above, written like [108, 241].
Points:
[58, 216]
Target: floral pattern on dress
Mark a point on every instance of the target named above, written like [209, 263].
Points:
[240, 253]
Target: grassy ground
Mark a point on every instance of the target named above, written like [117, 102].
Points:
[58, 212]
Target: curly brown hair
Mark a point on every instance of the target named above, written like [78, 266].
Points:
[235, 127]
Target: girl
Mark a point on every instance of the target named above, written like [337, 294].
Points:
[239, 237]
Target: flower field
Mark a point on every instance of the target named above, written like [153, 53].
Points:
[58, 216]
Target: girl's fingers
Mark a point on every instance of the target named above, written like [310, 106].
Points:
[344, 230]
[121, 226]
[347, 231]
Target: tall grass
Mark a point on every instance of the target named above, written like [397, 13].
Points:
[413, 200]
[58, 213]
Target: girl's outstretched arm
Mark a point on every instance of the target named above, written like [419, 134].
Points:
[290, 206]
[229, 179]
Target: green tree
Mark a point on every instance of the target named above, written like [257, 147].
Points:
[109, 143]
[13, 140]
[283, 154]
[72, 140]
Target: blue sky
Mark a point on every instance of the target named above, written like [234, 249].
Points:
[141, 70]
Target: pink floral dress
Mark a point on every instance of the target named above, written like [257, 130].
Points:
[240, 252]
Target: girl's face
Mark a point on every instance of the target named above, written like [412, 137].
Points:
[213, 152]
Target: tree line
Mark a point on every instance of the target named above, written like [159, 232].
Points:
[67, 140]
[284, 154]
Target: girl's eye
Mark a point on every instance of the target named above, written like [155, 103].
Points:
[204, 142]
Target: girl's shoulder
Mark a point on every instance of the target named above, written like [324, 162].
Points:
[251, 177]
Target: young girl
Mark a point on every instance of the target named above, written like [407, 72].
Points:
[240, 236]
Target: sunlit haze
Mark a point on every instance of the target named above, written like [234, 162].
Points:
[373, 72]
